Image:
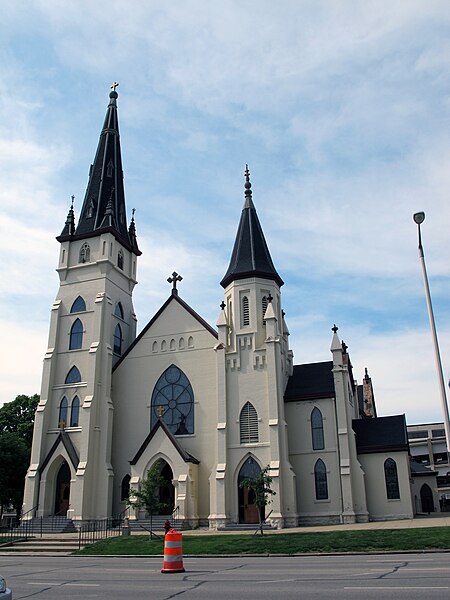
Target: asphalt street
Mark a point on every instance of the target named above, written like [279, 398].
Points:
[409, 576]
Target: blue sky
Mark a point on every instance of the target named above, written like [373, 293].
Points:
[341, 109]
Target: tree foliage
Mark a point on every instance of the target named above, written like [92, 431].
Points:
[261, 486]
[16, 435]
[148, 496]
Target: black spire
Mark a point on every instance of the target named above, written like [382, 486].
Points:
[69, 227]
[250, 257]
[104, 203]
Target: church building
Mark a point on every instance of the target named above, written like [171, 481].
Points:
[210, 405]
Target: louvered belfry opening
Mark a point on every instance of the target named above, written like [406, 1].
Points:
[248, 424]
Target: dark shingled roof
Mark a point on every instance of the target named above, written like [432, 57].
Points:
[381, 434]
[250, 256]
[310, 382]
[104, 207]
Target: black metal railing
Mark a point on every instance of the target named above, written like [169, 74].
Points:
[96, 530]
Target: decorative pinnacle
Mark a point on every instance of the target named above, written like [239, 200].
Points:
[73, 199]
[223, 305]
[334, 329]
[269, 298]
[133, 210]
[248, 185]
[344, 347]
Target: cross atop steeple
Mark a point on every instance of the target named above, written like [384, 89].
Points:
[334, 329]
[114, 85]
[173, 280]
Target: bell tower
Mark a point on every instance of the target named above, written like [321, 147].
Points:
[92, 324]
[254, 364]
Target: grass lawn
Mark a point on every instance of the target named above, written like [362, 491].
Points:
[287, 543]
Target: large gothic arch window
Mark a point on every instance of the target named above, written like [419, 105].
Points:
[173, 402]
[391, 478]
[248, 424]
[76, 335]
[318, 442]
[320, 480]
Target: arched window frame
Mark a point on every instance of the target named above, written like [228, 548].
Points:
[79, 305]
[76, 335]
[85, 253]
[248, 424]
[391, 479]
[320, 480]
[73, 376]
[264, 305]
[62, 412]
[173, 402]
[317, 435]
[117, 340]
[75, 412]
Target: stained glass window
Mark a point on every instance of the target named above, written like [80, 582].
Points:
[173, 402]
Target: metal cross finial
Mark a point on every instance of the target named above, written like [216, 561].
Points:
[269, 298]
[133, 210]
[223, 305]
[114, 85]
[334, 329]
[73, 199]
[247, 173]
[160, 411]
[173, 280]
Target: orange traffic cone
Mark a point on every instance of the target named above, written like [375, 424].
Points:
[173, 552]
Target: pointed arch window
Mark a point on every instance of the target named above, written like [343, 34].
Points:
[117, 341]
[76, 335]
[85, 253]
[320, 480]
[318, 441]
[248, 424]
[75, 412]
[391, 478]
[118, 311]
[62, 413]
[173, 402]
[79, 305]
[120, 259]
[245, 311]
[73, 376]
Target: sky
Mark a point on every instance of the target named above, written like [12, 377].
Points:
[340, 108]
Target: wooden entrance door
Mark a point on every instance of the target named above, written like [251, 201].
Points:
[250, 508]
[62, 496]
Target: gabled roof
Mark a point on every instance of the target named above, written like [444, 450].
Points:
[310, 382]
[172, 298]
[250, 256]
[161, 425]
[381, 434]
[63, 438]
[104, 207]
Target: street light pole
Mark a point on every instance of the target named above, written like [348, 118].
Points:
[419, 218]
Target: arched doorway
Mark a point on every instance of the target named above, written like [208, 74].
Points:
[426, 498]
[62, 495]
[248, 510]
[166, 490]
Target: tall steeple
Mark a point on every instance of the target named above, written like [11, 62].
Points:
[104, 202]
[251, 256]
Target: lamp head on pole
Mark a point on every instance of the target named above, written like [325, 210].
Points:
[419, 218]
